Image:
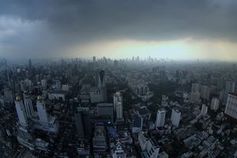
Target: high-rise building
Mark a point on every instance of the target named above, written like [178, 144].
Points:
[21, 113]
[102, 86]
[175, 117]
[215, 104]
[204, 110]
[231, 106]
[118, 105]
[44, 83]
[101, 79]
[41, 109]
[195, 93]
[149, 147]
[160, 118]
[82, 122]
[46, 122]
[99, 140]
[229, 88]
[28, 106]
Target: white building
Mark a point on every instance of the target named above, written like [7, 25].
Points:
[204, 110]
[44, 83]
[149, 148]
[45, 122]
[215, 104]
[20, 109]
[28, 106]
[175, 117]
[160, 118]
[41, 109]
[118, 105]
[231, 106]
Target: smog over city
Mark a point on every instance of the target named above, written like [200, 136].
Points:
[118, 79]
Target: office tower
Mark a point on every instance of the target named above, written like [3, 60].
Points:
[137, 123]
[101, 79]
[118, 105]
[195, 93]
[229, 88]
[46, 122]
[82, 122]
[204, 110]
[231, 106]
[28, 106]
[149, 147]
[99, 140]
[44, 83]
[175, 117]
[215, 104]
[160, 118]
[41, 110]
[20, 109]
[102, 86]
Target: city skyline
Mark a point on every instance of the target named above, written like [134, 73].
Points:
[180, 30]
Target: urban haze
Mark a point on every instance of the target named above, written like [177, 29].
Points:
[118, 79]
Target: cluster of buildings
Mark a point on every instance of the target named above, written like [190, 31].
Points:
[118, 108]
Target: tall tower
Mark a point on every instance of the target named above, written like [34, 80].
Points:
[101, 79]
[41, 109]
[28, 106]
[118, 105]
[160, 118]
[101, 85]
[175, 117]
[231, 106]
[20, 109]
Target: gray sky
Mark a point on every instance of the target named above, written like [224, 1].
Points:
[182, 29]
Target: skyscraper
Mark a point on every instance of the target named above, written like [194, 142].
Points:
[215, 104]
[21, 113]
[231, 106]
[101, 85]
[175, 117]
[101, 79]
[118, 105]
[160, 118]
[28, 106]
[41, 109]
[82, 122]
[204, 110]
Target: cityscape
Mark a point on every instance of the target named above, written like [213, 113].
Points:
[118, 79]
[118, 108]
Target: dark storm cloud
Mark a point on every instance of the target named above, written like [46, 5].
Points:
[68, 22]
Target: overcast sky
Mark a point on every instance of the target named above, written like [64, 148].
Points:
[176, 29]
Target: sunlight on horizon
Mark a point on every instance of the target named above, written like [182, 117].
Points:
[183, 49]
